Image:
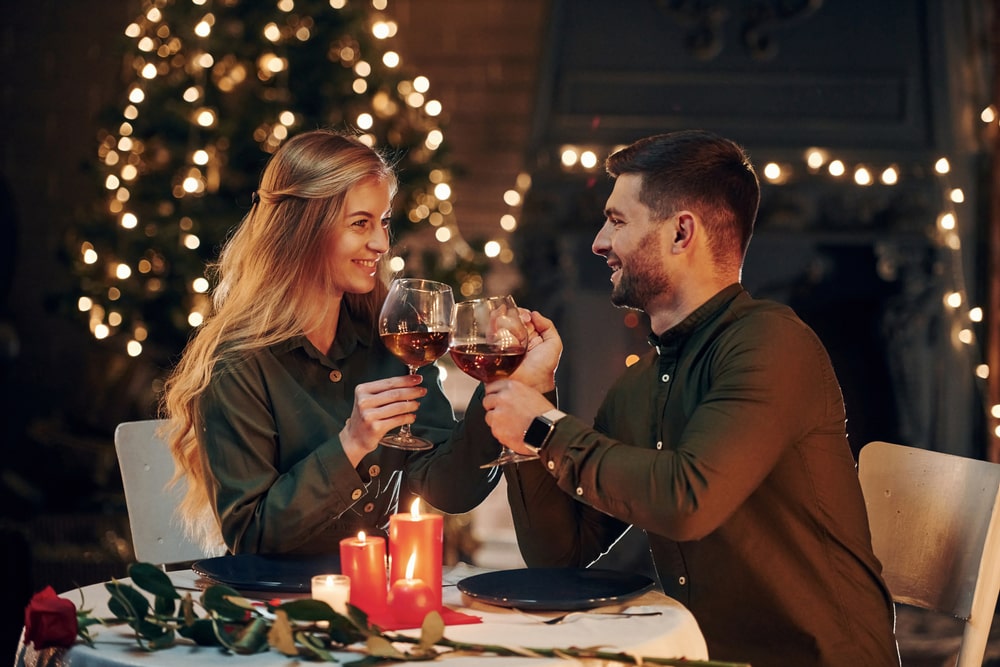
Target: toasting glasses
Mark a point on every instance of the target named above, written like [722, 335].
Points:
[415, 324]
[488, 342]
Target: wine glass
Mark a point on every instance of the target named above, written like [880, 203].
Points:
[488, 342]
[414, 325]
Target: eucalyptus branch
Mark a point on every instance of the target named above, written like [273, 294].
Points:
[572, 652]
[303, 628]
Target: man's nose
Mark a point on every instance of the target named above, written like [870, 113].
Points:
[602, 242]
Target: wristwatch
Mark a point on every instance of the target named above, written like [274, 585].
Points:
[540, 430]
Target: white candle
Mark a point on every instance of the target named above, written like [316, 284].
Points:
[333, 589]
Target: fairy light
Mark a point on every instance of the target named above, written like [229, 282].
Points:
[174, 57]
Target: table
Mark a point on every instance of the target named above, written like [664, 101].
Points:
[672, 633]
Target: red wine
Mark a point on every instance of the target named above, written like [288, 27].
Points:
[487, 362]
[417, 348]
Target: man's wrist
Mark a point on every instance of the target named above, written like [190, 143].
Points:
[541, 428]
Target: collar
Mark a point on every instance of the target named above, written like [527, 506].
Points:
[689, 324]
[352, 331]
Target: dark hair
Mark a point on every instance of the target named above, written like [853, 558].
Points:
[701, 171]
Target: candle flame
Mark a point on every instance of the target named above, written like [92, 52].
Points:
[411, 565]
[415, 509]
[361, 536]
[329, 581]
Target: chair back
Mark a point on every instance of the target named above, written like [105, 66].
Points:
[933, 519]
[147, 467]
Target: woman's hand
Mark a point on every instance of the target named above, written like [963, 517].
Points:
[379, 407]
[538, 370]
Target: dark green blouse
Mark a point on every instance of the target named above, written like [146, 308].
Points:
[727, 445]
[279, 477]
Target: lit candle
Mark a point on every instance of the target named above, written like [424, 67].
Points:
[410, 599]
[333, 589]
[420, 534]
[363, 560]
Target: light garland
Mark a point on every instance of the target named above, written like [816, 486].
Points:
[588, 159]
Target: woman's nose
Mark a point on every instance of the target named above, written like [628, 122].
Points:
[379, 240]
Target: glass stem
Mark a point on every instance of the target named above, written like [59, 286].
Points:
[404, 430]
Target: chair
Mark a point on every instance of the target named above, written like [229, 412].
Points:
[934, 523]
[147, 467]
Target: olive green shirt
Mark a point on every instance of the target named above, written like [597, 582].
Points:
[727, 445]
[279, 477]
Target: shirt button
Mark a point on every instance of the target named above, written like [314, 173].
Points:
[552, 465]
[369, 507]
[659, 444]
[682, 580]
[335, 376]
[356, 493]
[665, 377]
[374, 471]
[579, 490]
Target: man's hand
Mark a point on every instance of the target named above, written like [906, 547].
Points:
[510, 408]
[538, 370]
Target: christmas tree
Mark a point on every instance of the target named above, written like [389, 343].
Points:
[212, 87]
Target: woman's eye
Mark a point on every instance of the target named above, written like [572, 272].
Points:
[360, 223]
[385, 223]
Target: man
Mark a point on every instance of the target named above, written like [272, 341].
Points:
[726, 443]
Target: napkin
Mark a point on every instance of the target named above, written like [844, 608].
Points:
[387, 621]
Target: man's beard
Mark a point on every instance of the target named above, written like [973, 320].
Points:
[642, 277]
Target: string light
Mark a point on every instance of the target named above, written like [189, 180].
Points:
[818, 160]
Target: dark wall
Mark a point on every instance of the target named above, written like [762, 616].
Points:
[878, 83]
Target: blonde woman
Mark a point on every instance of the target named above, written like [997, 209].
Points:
[278, 403]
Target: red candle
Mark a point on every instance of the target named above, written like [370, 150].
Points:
[420, 534]
[363, 560]
[411, 599]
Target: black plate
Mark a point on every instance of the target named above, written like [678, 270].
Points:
[564, 589]
[278, 574]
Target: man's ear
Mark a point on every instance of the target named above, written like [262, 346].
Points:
[684, 230]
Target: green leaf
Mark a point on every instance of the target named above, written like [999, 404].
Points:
[166, 640]
[253, 637]
[343, 630]
[151, 578]
[201, 632]
[164, 606]
[126, 602]
[311, 645]
[307, 609]
[218, 600]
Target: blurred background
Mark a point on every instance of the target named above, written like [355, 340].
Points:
[136, 129]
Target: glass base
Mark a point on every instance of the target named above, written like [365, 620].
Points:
[406, 441]
[509, 456]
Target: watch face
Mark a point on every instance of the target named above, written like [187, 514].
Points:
[537, 432]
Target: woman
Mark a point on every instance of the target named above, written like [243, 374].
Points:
[277, 405]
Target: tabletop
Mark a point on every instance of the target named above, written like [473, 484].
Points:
[665, 629]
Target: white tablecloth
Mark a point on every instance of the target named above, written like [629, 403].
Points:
[672, 633]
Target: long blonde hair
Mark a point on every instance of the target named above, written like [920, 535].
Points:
[266, 272]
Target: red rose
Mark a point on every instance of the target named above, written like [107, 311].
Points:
[50, 620]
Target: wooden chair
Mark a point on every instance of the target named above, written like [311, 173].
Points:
[934, 524]
[146, 467]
